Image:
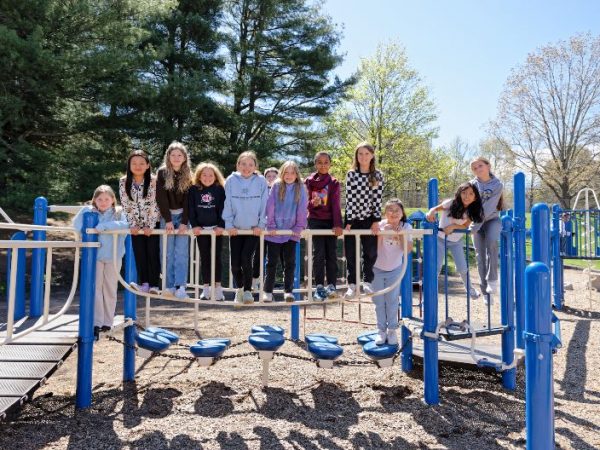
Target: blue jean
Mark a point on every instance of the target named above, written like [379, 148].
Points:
[178, 255]
[458, 253]
[386, 305]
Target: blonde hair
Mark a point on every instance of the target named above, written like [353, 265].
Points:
[486, 161]
[269, 170]
[248, 154]
[356, 166]
[298, 183]
[106, 189]
[184, 180]
[219, 180]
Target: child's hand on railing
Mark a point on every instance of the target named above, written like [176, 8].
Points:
[147, 231]
[431, 216]
[449, 229]
[256, 231]
[182, 229]
[375, 228]
[196, 231]
[134, 230]
[338, 231]
[232, 231]
[169, 227]
[218, 231]
[272, 232]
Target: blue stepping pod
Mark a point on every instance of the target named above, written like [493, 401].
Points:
[169, 335]
[320, 337]
[266, 341]
[325, 350]
[268, 329]
[208, 348]
[366, 337]
[379, 351]
[225, 341]
[152, 342]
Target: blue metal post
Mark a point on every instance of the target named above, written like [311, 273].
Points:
[38, 259]
[295, 310]
[539, 395]
[540, 233]
[507, 309]
[85, 352]
[406, 312]
[519, 238]
[130, 312]
[430, 315]
[556, 259]
[20, 281]
[432, 193]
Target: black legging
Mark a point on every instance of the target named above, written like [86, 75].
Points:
[146, 250]
[369, 251]
[204, 249]
[242, 250]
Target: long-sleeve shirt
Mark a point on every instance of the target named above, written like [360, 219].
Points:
[205, 206]
[140, 212]
[362, 199]
[327, 188]
[108, 220]
[286, 214]
[245, 201]
[490, 192]
[170, 199]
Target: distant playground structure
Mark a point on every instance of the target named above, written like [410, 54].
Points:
[527, 330]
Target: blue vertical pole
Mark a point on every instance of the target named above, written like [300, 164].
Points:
[406, 312]
[432, 193]
[556, 259]
[519, 238]
[85, 352]
[539, 393]
[20, 280]
[507, 310]
[295, 310]
[129, 309]
[540, 233]
[38, 259]
[430, 315]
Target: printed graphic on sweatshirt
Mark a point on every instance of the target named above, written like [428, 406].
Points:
[487, 194]
[320, 197]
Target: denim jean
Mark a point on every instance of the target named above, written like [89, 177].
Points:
[177, 255]
[386, 305]
[458, 253]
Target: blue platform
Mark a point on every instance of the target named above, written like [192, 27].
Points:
[169, 335]
[366, 337]
[320, 337]
[210, 348]
[267, 328]
[325, 350]
[266, 341]
[152, 342]
[377, 352]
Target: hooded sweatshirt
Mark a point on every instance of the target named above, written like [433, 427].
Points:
[490, 192]
[328, 189]
[108, 220]
[286, 214]
[245, 201]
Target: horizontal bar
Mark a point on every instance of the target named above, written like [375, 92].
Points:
[47, 244]
[27, 227]
[65, 208]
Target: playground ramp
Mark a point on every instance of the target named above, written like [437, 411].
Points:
[28, 362]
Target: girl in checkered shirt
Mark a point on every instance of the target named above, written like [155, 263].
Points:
[364, 191]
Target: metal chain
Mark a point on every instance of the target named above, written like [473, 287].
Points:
[301, 358]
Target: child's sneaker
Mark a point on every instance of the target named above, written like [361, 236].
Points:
[156, 291]
[331, 291]
[170, 292]
[381, 337]
[488, 299]
[255, 284]
[320, 293]
[239, 297]
[247, 298]
[145, 288]
[219, 295]
[492, 287]
[267, 297]
[351, 291]
[135, 286]
[205, 295]
[368, 288]
[289, 297]
[180, 292]
[474, 293]
[392, 337]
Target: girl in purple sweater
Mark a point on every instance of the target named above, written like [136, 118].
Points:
[286, 210]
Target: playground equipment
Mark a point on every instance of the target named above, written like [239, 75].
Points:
[324, 350]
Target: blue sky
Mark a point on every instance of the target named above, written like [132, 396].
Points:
[463, 49]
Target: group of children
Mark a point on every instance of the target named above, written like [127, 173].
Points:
[248, 204]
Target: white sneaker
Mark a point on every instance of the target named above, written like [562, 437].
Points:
[267, 297]
[180, 292]
[381, 337]
[156, 291]
[368, 288]
[239, 296]
[392, 337]
[474, 293]
[255, 284]
[205, 295]
[492, 287]
[170, 292]
[247, 298]
[289, 297]
[351, 291]
[219, 296]
[488, 299]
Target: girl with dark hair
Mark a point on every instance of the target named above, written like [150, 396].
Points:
[457, 214]
[137, 190]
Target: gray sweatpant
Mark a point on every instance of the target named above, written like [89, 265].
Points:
[486, 244]
[105, 298]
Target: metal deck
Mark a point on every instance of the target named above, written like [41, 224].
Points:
[27, 363]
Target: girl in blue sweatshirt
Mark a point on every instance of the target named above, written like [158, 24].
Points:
[104, 202]
[245, 202]
[286, 210]
[487, 234]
